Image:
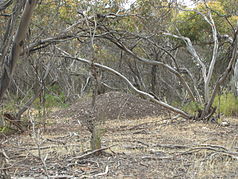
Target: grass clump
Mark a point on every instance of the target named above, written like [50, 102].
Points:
[6, 130]
[227, 103]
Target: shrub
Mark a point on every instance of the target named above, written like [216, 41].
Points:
[192, 107]
[227, 103]
[53, 98]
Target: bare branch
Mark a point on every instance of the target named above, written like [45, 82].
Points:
[151, 97]
[192, 51]
[152, 62]
[4, 4]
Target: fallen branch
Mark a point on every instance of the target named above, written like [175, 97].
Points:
[145, 94]
[90, 153]
[216, 149]
[170, 146]
[103, 173]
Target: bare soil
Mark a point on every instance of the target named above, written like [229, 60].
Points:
[142, 144]
[112, 105]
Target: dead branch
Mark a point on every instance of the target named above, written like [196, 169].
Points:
[165, 105]
[90, 153]
[14, 121]
[103, 173]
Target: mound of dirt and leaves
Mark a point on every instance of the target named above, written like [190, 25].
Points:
[112, 105]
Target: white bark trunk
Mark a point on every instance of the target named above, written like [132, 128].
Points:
[224, 75]
[206, 75]
[235, 77]
[214, 56]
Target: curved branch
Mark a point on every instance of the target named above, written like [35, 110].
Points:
[151, 97]
[152, 62]
[225, 74]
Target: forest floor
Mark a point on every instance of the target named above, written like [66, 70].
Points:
[151, 146]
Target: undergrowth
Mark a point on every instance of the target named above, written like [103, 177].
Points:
[227, 103]
[54, 98]
[192, 107]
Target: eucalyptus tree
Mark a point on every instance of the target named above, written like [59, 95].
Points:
[16, 48]
[136, 37]
[140, 44]
[11, 50]
[144, 38]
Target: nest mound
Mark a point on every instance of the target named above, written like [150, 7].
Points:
[112, 105]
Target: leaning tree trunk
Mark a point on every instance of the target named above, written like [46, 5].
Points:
[235, 78]
[234, 56]
[17, 47]
[10, 61]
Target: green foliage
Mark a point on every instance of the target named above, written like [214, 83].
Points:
[66, 11]
[152, 7]
[193, 25]
[192, 107]
[2, 129]
[230, 6]
[54, 101]
[10, 105]
[5, 130]
[55, 98]
[227, 103]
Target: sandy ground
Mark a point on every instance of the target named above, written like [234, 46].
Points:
[138, 148]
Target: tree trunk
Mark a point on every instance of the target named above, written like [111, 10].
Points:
[17, 47]
[234, 56]
[153, 78]
[235, 78]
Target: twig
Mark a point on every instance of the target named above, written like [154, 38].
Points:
[36, 138]
[157, 158]
[61, 176]
[234, 155]
[14, 164]
[147, 145]
[103, 173]
[90, 153]
[214, 146]
[171, 146]
[46, 147]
